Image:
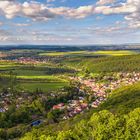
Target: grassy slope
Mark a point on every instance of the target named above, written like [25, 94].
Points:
[123, 100]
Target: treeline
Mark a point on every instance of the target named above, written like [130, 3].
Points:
[58, 70]
[50, 70]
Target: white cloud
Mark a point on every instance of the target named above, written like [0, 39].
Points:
[103, 2]
[39, 11]
[134, 17]
[10, 9]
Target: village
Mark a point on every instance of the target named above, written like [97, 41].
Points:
[7, 99]
[100, 90]
[30, 60]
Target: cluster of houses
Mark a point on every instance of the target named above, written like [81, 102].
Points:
[72, 107]
[5, 102]
[8, 99]
[75, 107]
[102, 90]
[28, 60]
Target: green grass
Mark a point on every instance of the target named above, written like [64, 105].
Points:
[43, 77]
[43, 86]
[21, 72]
[32, 77]
[63, 53]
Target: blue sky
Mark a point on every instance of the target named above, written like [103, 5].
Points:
[80, 22]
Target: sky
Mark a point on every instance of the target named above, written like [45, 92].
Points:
[69, 22]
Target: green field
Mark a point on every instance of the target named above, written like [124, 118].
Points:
[32, 77]
[43, 77]
[63, 53]
[45, 87]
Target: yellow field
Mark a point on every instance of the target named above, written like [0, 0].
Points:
[112, 53]
[115, 53]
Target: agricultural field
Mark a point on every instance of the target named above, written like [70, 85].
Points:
[32, 77]
[64, 53]
[44, 86]
[61, 89]
[115, 53]
[90, 53]
[51, 72]
[53, 75]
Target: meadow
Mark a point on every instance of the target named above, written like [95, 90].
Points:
[32, 77]
[44, 86]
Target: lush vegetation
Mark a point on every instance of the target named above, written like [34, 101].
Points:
[123, 100]
[117, 118]
[30, 77]
[33, 81]
[102, 125]
[106, 64]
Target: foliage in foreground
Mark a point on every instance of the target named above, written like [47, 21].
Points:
[103, 125]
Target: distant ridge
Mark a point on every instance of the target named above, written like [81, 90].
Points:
[72, 47]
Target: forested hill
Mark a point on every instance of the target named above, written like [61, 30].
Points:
[107, 64]
[117, 118]
[115, 64]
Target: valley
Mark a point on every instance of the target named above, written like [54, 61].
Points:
[40, 89]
